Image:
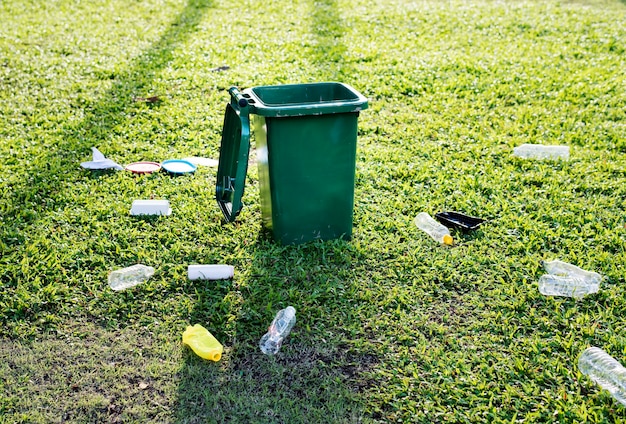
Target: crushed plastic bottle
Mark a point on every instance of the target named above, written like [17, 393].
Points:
[277, 332]
[605, 371]
[568, 280]
[435, 230]
[131, 276]
[540, 151]
[203, 343]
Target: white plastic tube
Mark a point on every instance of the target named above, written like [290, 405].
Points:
[210, 272]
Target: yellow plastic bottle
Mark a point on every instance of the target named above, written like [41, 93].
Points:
[203, 343]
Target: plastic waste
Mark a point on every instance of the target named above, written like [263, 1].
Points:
[277, 332]
[435, 230]
[210, 272]
[605, 371]
[100, 162]
[459, 220]
[203, 343]
[201, 161]
[151, 207]
[568, 280]
[131, 276]
[540, 151]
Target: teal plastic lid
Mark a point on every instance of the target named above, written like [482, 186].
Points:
[234, 151]
[178, 166]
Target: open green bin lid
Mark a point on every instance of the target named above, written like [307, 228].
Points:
[234, 151]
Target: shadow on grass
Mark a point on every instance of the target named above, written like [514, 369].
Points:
[316, 376]
[109, 112]
[45, 190]
[328, 54]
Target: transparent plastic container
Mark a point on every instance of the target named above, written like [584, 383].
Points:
[605, 371]
[556, 285]
[568, 280]
[435, 230]
[277, 332]
[540, 151]
[131, 276]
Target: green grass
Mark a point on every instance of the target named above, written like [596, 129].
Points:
[391, 326]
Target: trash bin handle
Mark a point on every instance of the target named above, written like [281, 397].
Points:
[237, 97]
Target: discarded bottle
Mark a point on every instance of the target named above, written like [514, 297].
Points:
[557, 267]
[604, 371]
[557, 285]
[131, 276]
[203, 343]
[435, 230]
[568, 280]
[540, 151]
[277, 332]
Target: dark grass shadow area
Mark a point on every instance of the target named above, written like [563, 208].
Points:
[316, 377]
[46, 190]
[329, 52]
[76, 140]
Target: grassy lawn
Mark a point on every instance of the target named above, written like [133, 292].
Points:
[392, 327]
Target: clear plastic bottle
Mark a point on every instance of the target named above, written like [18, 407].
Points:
[435, 230]
[557, 267]
[557, 285]
[565, 279]
[131, 276]
[277, 332]
[604, 371]
[540, 151]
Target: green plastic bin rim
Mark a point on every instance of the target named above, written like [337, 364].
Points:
[304, 99]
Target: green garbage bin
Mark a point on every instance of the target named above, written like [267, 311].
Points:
[306, 152]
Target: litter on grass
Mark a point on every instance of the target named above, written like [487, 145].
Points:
[210, 272]
[131, 276]
[178, 166]
[151, 207]
[100, 162]
[143, 167]
[435, 230]
[563, 279]
[540, 151]
[196, 160]
[203, 343]
[459, 220]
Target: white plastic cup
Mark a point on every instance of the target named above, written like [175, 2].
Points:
[210, 272]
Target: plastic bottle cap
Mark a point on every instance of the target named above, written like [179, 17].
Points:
[447, 239]
[290, 311]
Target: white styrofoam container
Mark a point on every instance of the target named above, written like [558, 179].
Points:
[210, 272]
[541, 151]
[151, 207]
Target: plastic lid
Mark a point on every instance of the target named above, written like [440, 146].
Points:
[178, 166]
[447, 239]
[143, 167]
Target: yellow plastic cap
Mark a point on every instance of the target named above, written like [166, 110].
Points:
[447, 239]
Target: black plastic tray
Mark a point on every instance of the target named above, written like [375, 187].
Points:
[459, 220]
